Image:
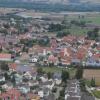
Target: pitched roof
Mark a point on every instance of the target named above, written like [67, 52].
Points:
[4, 55]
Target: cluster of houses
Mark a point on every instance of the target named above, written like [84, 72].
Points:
[67, 51]
[72, 91]
[22, 82]
[61, 52]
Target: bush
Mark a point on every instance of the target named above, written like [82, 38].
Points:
[54, 90]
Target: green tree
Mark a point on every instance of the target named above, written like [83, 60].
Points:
[7, 77]
[49, 74]
[13, 80]
[93, 82]
[40, 70]
[82, 85]
[54, 90]
[79, 73]
[4, 66]
[44, 41]
[0, 49]
[62, 92]
[65, 76]
[63, 33]
[94, 34]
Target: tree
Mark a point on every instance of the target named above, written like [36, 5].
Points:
[63, 33]
[44, 41]
[55, 27]
[82, 85]
[79, 73]
[65, 76]
[13, 80]
[40, 71]
[93, 82]
[94, 34]
[60, 98]
[7, 77]
[49, 74]
[4, 66]
[54, 90]
[0, 49]
[62, 92]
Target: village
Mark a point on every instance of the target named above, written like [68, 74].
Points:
[29, 48]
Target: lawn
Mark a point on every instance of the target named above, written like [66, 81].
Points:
[71, 71]
[94, 20]
[96, 94]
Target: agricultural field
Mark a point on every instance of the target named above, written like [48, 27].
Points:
[92, 73]
[92, 20]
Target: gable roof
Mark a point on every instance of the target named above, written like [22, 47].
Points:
[4, 56]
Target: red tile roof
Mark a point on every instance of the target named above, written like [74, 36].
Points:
[96, 56]
[12, 66]
[69, 38]
[12, 94]
[3, 55]
[51, 58]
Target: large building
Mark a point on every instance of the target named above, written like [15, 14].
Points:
[5, 57]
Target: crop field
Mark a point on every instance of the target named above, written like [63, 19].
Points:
[92, 20]
[92, 73]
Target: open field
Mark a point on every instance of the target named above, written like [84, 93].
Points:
[92, 73]
[96, 94]
[71, 71]
[91, 17]
[75, 30]
[92, 20]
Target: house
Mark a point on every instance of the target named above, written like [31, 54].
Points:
[75, 61]
[40, 93]
[24, 56]
[12, 66]
[52, 59]
[49, 84]
[24, 89]
[5, 57]
[33, 60]
[43, 92]
[93, 61]
[27, 75]
[31, 96]
[11, 94]
[2, 78]
[72, 91]
[18, 78]
[33, 83]
[44, 78]
[7, 86]
[57, 78]
[22, 68]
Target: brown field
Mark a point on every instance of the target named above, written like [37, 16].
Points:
[92, 73]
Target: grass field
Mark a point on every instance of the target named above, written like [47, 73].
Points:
[77, 30]
[96, 94]
[71, 71]
[93, 18]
